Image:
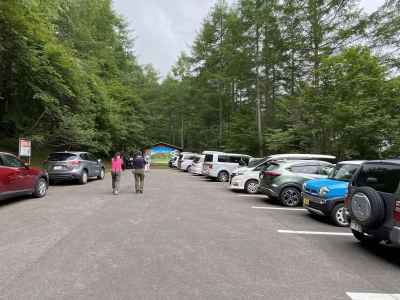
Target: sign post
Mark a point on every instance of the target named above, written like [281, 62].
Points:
[25, 148]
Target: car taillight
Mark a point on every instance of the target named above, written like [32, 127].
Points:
[396, 213]
[347, 198]
[272, 174]
[73, 163]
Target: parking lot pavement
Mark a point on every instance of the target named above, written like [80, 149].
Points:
[184, 238]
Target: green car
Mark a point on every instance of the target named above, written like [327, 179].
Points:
[283, 180]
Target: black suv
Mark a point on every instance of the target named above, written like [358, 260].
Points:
[373, 202]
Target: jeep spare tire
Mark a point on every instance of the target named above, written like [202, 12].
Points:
[366, 207]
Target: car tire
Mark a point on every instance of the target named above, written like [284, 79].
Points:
[84, 177]
[366, 207]
[290, 196]
[223, 176]
[41, 188]
[364, 239]
[251, 186]
[102, 174]
[338, 215]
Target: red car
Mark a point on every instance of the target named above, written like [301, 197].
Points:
[17, 179]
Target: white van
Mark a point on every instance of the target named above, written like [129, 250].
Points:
[220, 165]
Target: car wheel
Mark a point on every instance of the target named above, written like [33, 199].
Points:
[84, 177]
[290, 196]
[251, 186]
[338, 215]
[188, 169]
[366, 207]
[40, 188]
[367, 240]
[102, 174]
[223, 176]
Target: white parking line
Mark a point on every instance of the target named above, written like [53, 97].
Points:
[316, 232]
[373, 296]
[277, 208]
[253, 196]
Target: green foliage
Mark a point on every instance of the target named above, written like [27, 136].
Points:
[69, 80]
[68, 76]
[320, 90]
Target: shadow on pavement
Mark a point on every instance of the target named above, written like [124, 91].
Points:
[12, 201]
[386, 252]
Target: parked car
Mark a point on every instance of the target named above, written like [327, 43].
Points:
[276, 157]
[284, 180]
[374, 202]
[247, 178]
[325, 197]
[171, 162]
[175, 162]
[182, 156]
[17, 179]
[220, 165]
[186, 160]
[74, 166]
[197, 165]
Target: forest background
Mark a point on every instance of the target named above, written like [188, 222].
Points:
[262, 77]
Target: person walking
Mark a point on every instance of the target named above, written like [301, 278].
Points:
[116, 171]
[139, 164]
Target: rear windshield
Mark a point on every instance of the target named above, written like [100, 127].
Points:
[271, 167]
[209, 158]
[61, 156]
[254, 162]
[381, 177]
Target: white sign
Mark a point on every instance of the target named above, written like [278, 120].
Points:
[24, 147]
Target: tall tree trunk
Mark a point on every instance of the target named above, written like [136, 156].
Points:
[182, 133]
[258, 96]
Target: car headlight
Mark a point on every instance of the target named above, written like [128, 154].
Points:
[323, 191]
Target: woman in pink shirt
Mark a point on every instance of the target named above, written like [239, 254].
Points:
[116, 170]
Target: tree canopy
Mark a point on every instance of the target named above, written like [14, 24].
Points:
[262, 76]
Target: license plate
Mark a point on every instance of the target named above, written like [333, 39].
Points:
[306, 201]
[57, 168]
[355, 226]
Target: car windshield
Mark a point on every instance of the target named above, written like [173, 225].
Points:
[61, 156]
[343, 172]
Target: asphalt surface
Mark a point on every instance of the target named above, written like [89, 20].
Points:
[185, 238]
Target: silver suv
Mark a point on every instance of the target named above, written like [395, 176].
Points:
[74, 166]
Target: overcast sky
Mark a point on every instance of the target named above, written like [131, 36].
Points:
[164, 28]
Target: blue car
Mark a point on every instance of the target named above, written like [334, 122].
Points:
[325, 197]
